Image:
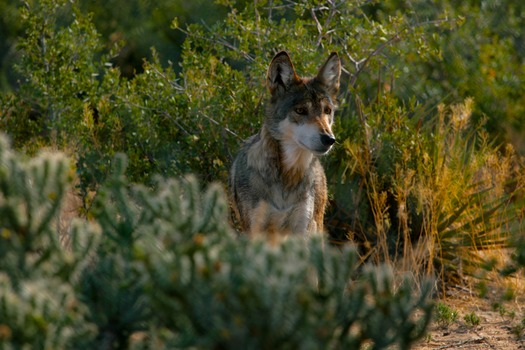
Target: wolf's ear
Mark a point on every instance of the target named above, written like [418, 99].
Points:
[281, 73]
[330, 73]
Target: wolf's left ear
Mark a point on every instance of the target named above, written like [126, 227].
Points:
[330, 73]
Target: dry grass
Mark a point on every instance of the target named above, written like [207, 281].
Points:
[442, 195]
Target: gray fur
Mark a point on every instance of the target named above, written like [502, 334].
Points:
[277, 184]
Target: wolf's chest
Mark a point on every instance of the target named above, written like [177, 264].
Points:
[288, 211]
[285, 200]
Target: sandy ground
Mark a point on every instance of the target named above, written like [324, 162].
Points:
[501, 326]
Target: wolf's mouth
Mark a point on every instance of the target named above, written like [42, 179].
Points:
[320, 151]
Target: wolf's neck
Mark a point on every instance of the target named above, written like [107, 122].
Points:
[287, 159]
[295, 159]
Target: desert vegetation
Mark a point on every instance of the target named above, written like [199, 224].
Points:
[136, 109]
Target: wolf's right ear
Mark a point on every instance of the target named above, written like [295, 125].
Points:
[330, 73]
[281, 73]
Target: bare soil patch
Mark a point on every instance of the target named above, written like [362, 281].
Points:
[501, 325]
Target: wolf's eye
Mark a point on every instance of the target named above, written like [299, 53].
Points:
[300, 110]
[327, 110]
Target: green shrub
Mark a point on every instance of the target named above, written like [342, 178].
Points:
[471, 319]
[444, 314]
[411, 182]
[72, 96]
[477, 59]
[163, 269]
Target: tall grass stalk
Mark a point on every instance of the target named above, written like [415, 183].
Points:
[425, 192]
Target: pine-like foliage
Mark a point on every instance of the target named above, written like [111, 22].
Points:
[161, 269]
[38, 306]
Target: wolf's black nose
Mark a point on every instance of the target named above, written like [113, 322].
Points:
[327, 140]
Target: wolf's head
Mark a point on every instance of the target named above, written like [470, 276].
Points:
[301, 110]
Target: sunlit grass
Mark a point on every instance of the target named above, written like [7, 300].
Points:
[427, 191]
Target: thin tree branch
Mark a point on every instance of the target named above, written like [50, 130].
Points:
[361, 64]
[219, 124]
[222, 42]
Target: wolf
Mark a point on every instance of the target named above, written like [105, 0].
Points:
[277, 186]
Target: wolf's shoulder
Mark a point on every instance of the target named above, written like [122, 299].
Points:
[251, 140]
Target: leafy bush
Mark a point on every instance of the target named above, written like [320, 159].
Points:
[73, 98]
[168, 123]
[410, 182]
[479, 58]
[421, 186]
[163, 269]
